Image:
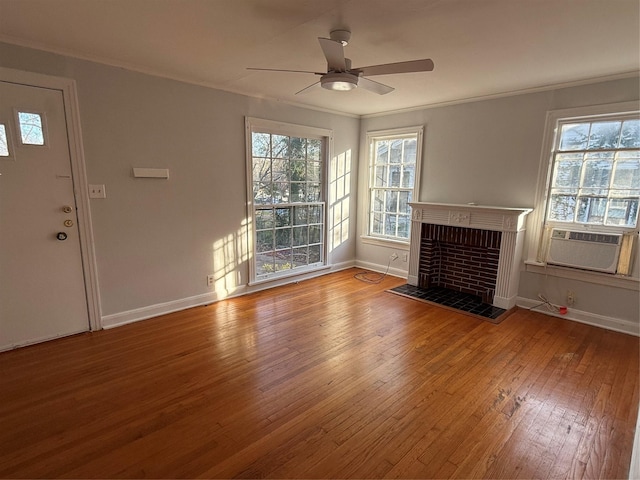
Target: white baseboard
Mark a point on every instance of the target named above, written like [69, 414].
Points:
[610, 323]
[144, 313]
[394, 272]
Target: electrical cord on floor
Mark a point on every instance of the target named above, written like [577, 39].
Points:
[373, 278]
[547, 303]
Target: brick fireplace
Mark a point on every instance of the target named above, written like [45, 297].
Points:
[468, 248]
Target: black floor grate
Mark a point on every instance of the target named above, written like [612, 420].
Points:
[450, 298]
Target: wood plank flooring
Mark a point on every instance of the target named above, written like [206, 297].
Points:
[328, 378]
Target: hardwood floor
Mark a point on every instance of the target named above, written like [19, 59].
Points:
[327, 378]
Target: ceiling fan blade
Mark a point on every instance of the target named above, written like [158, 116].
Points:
[424, 65]
[334, 53]
[375, 87]
[313, 86]
[281, 70]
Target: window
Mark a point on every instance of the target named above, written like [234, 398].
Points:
[31, 128]
[4, 141]
[287, 197]
[394, 161]
[596, 171]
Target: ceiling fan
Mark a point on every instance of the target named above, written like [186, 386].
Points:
[340, 76]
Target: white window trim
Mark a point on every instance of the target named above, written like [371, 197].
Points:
[282, 128]
[536, 220]
[373, 135]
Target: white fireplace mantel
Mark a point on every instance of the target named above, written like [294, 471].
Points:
[509, 221]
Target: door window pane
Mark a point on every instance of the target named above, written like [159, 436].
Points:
[4, 141]
[31, 130]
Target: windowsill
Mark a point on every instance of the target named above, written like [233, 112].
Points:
[618, 281]
[288, 275]
[385, 242]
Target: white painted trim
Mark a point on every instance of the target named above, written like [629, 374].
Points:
[634, 470]
[80, 185]
[610, 323]
[599, 278]
[152, 311]
[375, 267]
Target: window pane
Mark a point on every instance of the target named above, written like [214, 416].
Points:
[378, 200]
[300, 236]
[280, 192]
[630, 135]
[604, 135]
[622, 212]
[377, 224]
[279, 146]
[264, 241]
[298, 170]
[315, 254]
[283, 238]
[627, 175]
[391, 201]
[262, 193]
[315, 214]
[261, 144]
[31, 131]
[313, 172]
[395, 175]
[591, 209]
[298, 192]
[381, 177]
[261, 169]
[4, 142]
[314, 148]
[403, 202]
[313, 192]
[404, 223]
[280, 170]
[283, 217]
[410, 149]
[300, 256]
[315, 234]
[567, 172]
[396, 151]
[390, 225]
[597, 175]
[408, 174]
[562, 207]
[382, 151]
[298, 148]
[300, 215]
[574, 136]
[264, 218]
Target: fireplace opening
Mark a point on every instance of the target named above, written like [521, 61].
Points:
[459, 259]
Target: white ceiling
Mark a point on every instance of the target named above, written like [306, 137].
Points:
[479, 47]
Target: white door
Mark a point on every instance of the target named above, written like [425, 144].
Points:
[42, 288]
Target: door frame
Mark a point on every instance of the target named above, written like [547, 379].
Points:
[79, 177]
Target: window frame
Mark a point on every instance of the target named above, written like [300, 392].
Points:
[252, 125]
[538, 226]
[390, 134]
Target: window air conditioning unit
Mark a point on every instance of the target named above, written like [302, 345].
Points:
[586, 250]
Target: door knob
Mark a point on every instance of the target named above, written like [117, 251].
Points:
[61, 236]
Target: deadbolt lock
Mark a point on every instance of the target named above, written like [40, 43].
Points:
[61, 236]
[68, 223]
[67, 209]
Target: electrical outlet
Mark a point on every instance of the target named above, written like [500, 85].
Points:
[97, 191]
[210, 280]
[405, 257]
[571, 298]
[394, 256]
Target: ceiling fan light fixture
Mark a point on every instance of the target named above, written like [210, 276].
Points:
[340, 81]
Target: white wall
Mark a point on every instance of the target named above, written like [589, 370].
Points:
[489, 152]
[157, 240]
